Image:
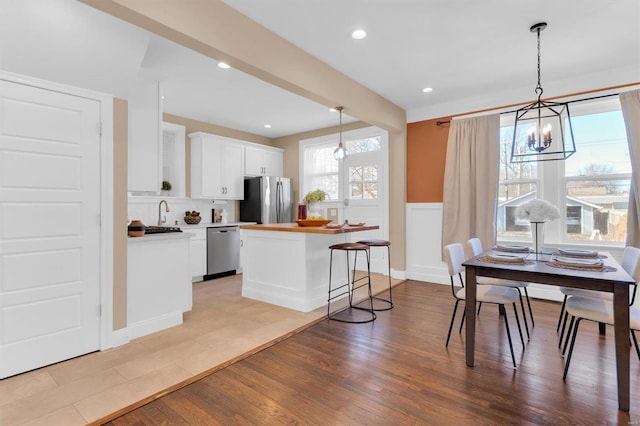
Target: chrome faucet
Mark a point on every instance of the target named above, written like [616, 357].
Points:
[161, 219]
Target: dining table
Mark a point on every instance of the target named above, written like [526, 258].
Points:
[542, 268]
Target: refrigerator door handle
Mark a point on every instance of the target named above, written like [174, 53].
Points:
[278, 200]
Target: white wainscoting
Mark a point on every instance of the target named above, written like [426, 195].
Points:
[424, 240]
[424, 259]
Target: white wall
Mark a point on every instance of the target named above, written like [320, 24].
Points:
[146, 209]
[424, 258]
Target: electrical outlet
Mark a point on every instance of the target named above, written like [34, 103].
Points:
[332, 214]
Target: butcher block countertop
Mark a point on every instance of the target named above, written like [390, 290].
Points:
[294, 227]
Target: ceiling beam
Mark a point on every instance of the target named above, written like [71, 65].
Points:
[216, 30]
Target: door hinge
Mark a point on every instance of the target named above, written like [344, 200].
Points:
[100, 310]
[99, 219]
[99, 128]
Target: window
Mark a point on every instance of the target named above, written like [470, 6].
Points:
[321, 170]
[356, 178]
[592, 185]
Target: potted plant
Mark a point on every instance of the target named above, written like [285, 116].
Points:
[315, 196]
[166, 186]
[312, 199]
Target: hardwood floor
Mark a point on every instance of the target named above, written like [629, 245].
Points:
[222, 328]
[396, 370]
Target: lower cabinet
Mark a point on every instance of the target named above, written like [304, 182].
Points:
[159, 286]
[198, 266]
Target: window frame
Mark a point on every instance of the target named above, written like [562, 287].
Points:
[376, 157]
[551, 184]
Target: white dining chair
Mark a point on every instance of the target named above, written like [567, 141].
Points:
[628, 265]
[474, 245]
[498, 295]
[600, 310]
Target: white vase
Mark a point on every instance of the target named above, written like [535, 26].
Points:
[537, 236]
[314, 209]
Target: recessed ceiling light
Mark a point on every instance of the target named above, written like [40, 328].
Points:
[223, 66]
[358, 34]
[427, 90]
[332, 110]
[267, 126]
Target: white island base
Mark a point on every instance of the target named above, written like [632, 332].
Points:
[289, 267]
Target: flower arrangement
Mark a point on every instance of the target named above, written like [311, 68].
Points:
[537, 211]
[315, 196]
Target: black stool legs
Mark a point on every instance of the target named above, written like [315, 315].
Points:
[352, 284]
[387, 303]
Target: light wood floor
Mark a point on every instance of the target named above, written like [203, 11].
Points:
[222, 328]
[396, 371]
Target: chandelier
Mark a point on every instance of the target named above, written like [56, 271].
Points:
[542, 130]
[340, 153]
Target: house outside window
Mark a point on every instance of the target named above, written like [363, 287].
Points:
[591, 188]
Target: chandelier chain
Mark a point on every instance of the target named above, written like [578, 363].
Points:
[539, 86]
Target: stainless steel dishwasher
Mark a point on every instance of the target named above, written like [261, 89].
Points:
[223, 251]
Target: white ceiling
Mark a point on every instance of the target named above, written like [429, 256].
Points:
[476, 54]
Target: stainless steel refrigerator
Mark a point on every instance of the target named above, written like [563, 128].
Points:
[267, 199]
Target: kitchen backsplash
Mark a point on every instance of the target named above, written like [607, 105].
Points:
[146, 209]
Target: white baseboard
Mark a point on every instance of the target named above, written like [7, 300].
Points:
[142, 328]
[119, 338]
[398, 275]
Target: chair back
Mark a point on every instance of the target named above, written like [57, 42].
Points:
[631, 264]
[454, 256]
[475, 246]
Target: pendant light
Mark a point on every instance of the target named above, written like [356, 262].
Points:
[340, 153]
[542, 129]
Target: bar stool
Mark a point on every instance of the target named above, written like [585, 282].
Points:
[387, 244]
[351, 285]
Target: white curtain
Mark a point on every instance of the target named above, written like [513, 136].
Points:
[630, 102]
[471, 180]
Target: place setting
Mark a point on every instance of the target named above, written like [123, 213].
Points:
[576, 262]
[579, 254]
[505, 258]
[512, 248]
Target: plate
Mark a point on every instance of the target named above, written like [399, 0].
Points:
[513, 248]
[333, 226]
[578, 252]
[312, 222]
[356, 224]
[510, 258]
[585, 263]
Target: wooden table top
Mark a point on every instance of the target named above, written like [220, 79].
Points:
[294, 227]
[538, 266]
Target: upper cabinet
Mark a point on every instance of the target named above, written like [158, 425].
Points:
[263, 161]
[217, 167]
[145, 147]
[173, 159]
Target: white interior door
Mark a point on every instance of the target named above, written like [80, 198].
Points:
[365, 180]
[49, 227]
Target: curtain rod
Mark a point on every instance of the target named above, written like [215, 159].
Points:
[570, 102]
[604, 89]
[440, 123]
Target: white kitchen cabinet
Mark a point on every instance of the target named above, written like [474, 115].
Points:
[145, 141]
[173, 161]
[159, 285]
[217, 167]
[198, 252]
[263, 161]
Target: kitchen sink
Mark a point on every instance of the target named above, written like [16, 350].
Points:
[161, 229]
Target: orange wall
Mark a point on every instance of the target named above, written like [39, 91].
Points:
[426, 151]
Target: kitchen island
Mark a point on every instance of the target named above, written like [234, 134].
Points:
[288, 265]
